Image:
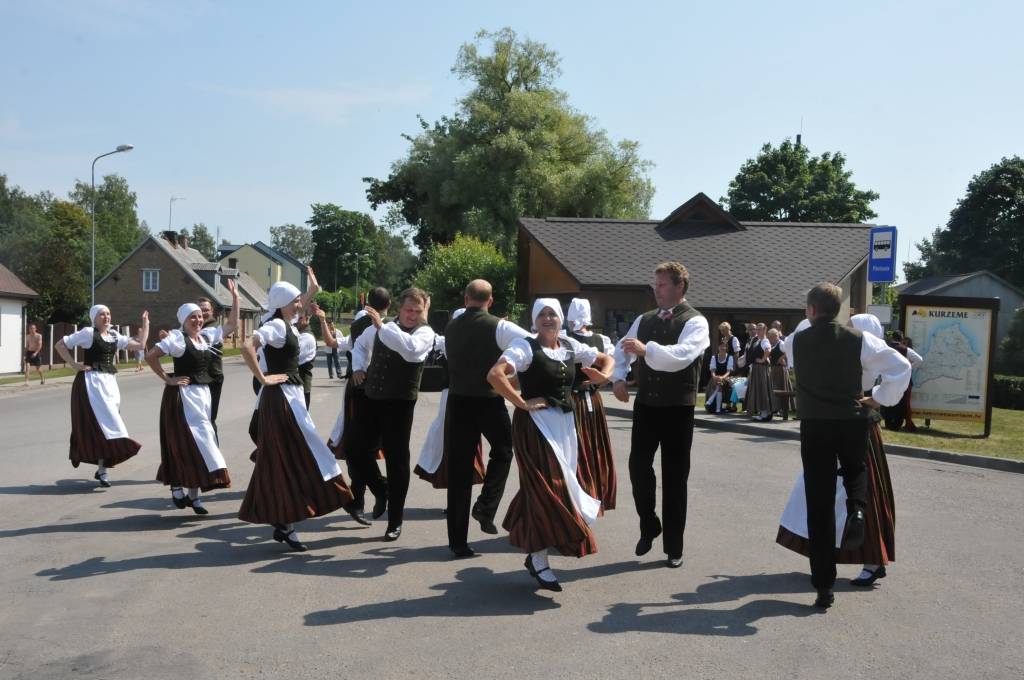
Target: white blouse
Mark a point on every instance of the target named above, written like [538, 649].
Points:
[520, 354]
[83, 338]
[174, 344]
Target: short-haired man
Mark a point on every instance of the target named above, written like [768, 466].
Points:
[215, 335]
[668, 346]
[833, 415]
[473, 343]
[387, 360]
[34, 353]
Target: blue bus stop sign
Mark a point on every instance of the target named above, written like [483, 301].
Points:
[882, 255]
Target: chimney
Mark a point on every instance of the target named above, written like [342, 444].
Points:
[798, 140]
[171, 237]
[183, 241]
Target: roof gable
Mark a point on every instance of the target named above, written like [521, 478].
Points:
[701, 210]
[12, 286]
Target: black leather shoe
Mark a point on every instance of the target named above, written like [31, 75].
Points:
[357, 514]
[393, 534]
[104, 482]
[465, 551]
[180, 502]
[825, 598]
[197, 506]
[674, 562]
[553, 586]
[853, 533]
[864, 582]
[282, 536]
[643, 546]
[380, 506]
[486, 523]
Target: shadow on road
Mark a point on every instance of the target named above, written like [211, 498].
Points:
[64, 487]
[477, 591]
[676, 617]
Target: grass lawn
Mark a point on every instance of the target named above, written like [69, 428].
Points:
[62, 372]
[1006, 440]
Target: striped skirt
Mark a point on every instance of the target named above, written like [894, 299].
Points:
[181, 463]
[596, 464]
[439, 478]
[542, 514]
[88, 444]
[781, 383]
[879, 516]
[286, 485]
[759, 390]
[348, 403]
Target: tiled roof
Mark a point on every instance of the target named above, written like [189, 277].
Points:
[12, 286]
[766, 265]
[192, 260]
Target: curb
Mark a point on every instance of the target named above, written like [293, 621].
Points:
[969, 459]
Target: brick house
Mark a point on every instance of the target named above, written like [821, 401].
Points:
[163, 273]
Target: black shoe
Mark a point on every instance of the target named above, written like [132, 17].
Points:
[465, 551]
[380, 506]
[486, 523]
[198, 509]
[180, 502]
[357, 514]
[869, 580]
[825, 598]
[643, 546]
[103, 480]
[853, 534]
[674, 562]
[553, 586]
[393, 534]
[282, 536]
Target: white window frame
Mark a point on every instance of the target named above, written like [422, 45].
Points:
[150, 280]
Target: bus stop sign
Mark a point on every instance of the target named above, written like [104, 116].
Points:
[882, 255]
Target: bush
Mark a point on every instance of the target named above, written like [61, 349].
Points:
[448, 268]
[1008, 392]
[1010, 358]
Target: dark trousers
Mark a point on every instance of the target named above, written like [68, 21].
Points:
[355, 473]
[390, 422]
[466, 420]
[822, 443]
[215, 388]
[333, 363]
[671, 428]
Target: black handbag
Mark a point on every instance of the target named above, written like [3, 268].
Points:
[435, 371]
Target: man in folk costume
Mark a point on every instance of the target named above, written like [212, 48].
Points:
[830, 361]
[473, 343]
[353, 407]
[215, 336]
[596, 465]
[387, 360]
[98, 434]
[667, 345]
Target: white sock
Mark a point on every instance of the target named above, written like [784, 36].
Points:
[176, 492]
[193, 493]
[539, 560]
[101, 469]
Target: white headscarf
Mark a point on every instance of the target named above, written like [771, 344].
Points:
[868, 323]
[186, 310]
[94, 310]
[279, 295]
[579, 313]
[458, 312]
[539, 306]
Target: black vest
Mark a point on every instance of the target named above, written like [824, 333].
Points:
[102, 354]
[776, 354]
[389, 376]
[756, 352]
[284, 359]
[828, 372]
[592, 340]
[549, 378]
[720, 367]
[355, 330]
[194, 364]
[472, 349]
[216, 366]
[666, 388]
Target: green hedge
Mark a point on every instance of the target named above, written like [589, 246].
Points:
[1009, 392]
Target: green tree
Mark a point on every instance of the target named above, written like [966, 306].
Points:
[1011, 350]
[514, 147]
[787, 184]
[446, 270]
[118, 230]
[202, 240]
[985, 230]
[294, 240]
[340, 237]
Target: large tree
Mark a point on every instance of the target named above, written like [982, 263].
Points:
[341, 238]
[448, 268]
[985, 230]
[787, 184]
[294, 240]
[202, 240]
[513, 147]
[118, 230]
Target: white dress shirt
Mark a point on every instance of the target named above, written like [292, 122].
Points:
[413, 347]
[693, 340]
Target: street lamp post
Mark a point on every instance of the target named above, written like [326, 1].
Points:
[120, 149]
[170, 208]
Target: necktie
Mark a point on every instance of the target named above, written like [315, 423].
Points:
[665, 314]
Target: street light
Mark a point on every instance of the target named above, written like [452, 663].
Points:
[356, 256]
[170, 206]
[120, 149]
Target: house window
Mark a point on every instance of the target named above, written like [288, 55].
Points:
[150, 280]
[233, 263]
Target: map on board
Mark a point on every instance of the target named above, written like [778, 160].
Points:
[954, 343]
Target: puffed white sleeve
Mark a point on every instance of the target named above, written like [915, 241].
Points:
[585, 354]
[914, 358]
[413, 347]
[80, 338]
[606, 344]
[213, 335]
[439, 344]
[507, 332]
[362, 350]
[877, 358]
[693, 340]
[730, 365]
[173, 345]
[623, 360]
[272, 333]
[519, 354]
[121, 340]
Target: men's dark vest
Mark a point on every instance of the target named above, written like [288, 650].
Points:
[471, 346]
[828, 372]
[355, 330]
[284, 359]
[102, 354]
[216, 366]
[549, 378]
[194, 364]
[389, 376]
[592, 340]
[666, 388]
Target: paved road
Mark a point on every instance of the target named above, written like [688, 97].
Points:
[116, 583]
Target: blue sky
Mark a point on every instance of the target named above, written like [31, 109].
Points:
[254, 110]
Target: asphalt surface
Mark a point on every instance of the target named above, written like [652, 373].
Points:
[117, 583]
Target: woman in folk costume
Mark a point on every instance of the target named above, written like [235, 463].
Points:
[879, 548]
[551, 509]
[721, 366]
[98, 434]
[759, 401]
[596, 469]
[296, 476]
[432, 465]
[190, 456]
[782, 386]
